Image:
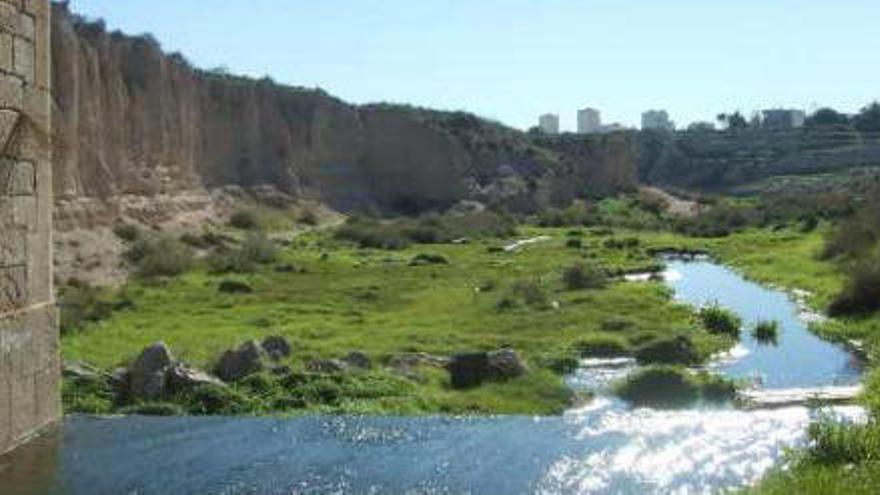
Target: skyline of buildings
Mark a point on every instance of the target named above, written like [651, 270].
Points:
[589, 121]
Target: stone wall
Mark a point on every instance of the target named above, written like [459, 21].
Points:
[29, 358]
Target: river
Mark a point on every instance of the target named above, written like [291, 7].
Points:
[604, 447]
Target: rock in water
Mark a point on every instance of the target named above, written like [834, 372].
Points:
[147, 374]
[236, 364]
[277, 347]
[181, 378]
[472, 369]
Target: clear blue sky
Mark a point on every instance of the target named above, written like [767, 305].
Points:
[514, 59]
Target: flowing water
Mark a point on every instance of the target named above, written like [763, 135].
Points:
[604, 447]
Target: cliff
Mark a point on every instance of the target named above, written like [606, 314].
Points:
[133, 122]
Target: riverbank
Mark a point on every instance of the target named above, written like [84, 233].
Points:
[329, 298]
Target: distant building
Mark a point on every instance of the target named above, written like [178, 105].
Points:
[549, 123]
[780, 118]
[589, 121]
[657, 120]
[609, 128]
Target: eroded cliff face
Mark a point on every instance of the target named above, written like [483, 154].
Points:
[133, 122]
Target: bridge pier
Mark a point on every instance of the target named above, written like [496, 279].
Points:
[29, 348]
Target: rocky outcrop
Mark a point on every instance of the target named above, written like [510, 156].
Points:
[472, 369]
[247, 359]
[132, 122]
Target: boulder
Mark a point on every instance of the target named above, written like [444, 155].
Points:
[327, 366]
[147, 373]
[472, 369]
[181, 378]
[120, 382]
[357, 359]
[247, 359]
[277, 347]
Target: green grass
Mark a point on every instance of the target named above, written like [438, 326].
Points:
[374, 301]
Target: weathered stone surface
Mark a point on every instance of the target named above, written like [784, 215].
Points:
[472, 369]
[148, 371]
[357, 359]
[30, 366]
[181, 378]
[23, 59]
[236, 364]
[327, 366]
[277, 347]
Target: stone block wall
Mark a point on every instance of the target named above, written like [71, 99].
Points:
[29, 354]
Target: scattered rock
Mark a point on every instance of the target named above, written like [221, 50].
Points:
[120, 382]
[472, 369]
[277, 347]
[235, 287]
[357, 359]
[414, 359]
[147, 374]
[236, 364]
[180, 378]
[327, 366]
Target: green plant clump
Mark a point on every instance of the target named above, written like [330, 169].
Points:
[721, 321]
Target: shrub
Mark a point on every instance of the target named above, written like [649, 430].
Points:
[213, 399]
[861, 293]
[428, 259]
[720, 321]
[766, 332]
[244, 219]
[82, 304]
[584, 276]
[602, 346]
[574, 244]
[531, 293]
[667, 386]
[257, 249]
[836, 442]
[670, 350]
[659, 386]
[127, 232]
[154, 409]
[161, 256]
[234, 287]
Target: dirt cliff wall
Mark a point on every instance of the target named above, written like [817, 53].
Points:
[132, 120]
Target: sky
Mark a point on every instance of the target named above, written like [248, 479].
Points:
[512, 60]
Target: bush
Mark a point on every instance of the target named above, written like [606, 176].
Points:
[584, 276]
[531, 293]
[574, 243]
[257, 249]
[670, 350]
[836, 442]
[244, 219]
[720, 321]
[861, 293]
[602, 346]
[154, 409]
[127, 232]
[667, 386]
[161, 256]
[213, 399]
[766, 332]
[659, 386]
[82, 304]
[234, 287]
[428, 259]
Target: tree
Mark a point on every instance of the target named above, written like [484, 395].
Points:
[827, 116]
[733, 120]
[868, 119]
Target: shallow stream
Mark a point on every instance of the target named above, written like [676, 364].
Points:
[604, 447]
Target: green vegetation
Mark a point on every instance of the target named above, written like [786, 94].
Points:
[766, 332]
[720, 320]
[668, 386]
